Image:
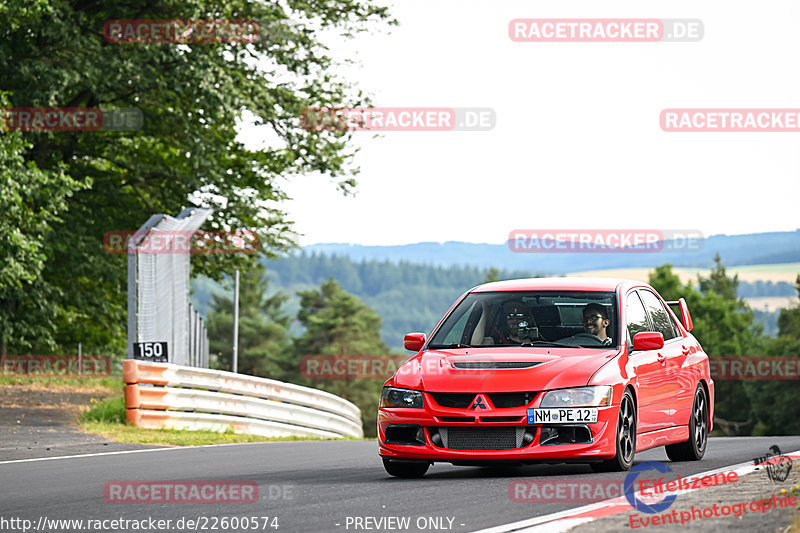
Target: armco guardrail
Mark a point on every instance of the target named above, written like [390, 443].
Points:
[167, 396]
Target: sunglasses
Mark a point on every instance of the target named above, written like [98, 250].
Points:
[591, 318]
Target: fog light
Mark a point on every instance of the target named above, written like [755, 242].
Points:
[527, 438]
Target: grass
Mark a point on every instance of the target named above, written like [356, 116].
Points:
[110, 382]
[174, 437]
[108, 420]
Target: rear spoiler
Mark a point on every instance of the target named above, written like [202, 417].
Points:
[686, 318]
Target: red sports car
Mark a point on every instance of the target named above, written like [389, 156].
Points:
[550, 370]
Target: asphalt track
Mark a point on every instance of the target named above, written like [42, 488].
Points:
[311, 486]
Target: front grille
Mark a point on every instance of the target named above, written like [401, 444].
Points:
[511, 399]
[501, 400]
[501, 418]
[482, 438]
[457, 418]
[490, 365]
[457, 400]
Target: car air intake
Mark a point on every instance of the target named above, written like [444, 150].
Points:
[482, 438]
[511, 399]
[493, 365]
[408, 434]
[457, 400]
[580, 434]
[501, 418]
[501, 400]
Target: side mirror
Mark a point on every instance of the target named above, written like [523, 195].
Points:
[415, 341]
[648, 340]
[686, 318]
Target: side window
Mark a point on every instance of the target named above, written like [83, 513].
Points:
[456, 333]
[661, 319]
[637, 318]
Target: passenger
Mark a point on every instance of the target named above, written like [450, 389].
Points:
[517, 326]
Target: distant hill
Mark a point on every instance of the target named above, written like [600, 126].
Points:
[412, 297]
[750, 249]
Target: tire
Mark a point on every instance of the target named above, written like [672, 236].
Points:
[625, 439]
[695, 448]
[405, 469]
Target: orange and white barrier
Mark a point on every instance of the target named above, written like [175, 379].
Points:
[216, 400]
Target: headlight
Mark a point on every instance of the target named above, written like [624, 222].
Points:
[391, 397]
[580, 397]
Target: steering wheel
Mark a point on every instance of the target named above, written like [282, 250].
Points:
[589, 336]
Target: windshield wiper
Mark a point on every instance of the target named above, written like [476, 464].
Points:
[454, 345]
[547, 343]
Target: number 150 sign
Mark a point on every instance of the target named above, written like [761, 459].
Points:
[150, 351]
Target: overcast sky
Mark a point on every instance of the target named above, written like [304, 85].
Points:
[577, 142]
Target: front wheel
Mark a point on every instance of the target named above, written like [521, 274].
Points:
[405, 469]
[695, 448]
[626, 438]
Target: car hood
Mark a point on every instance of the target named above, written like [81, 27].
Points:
[497, 369]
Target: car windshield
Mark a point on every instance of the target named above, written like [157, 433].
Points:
[531, 318]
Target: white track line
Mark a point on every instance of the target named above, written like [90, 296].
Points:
[100, 454]
[561, 521]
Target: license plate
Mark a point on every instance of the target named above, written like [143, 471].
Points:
[585, 415]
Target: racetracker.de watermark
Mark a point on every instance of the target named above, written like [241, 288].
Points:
[350, 366]
[605, 30]
[755, 368]
[399, 119]
[730, 120]
[555, 490]
[189, 492]
[70, 119]
[180, 31]
[604, 240]
[180, 242]
[55, 366]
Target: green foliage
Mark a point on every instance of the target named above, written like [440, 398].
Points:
[407, 296]
[112, 411]
[338, 323]
[725, 327]
[264, 346]
[492, 275]
[31, 202]
[63, 191]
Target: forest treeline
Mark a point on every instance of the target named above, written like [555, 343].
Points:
[329, 320]
[411, 296]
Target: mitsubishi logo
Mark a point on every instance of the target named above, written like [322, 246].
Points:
[478, 403]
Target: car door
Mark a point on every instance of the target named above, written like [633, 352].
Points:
[650, 366]
[682, 382]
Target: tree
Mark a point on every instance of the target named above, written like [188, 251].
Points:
[338, 323]
[492, 274]
[775, 402]
[187, 153]
[724, 327]
[264, 344]
[31, 202]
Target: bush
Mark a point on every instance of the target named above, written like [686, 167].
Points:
[112, 411]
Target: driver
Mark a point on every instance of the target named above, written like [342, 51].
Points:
[518, 325]
[595, 322]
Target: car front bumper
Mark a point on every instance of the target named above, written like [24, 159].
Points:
[434, 433]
